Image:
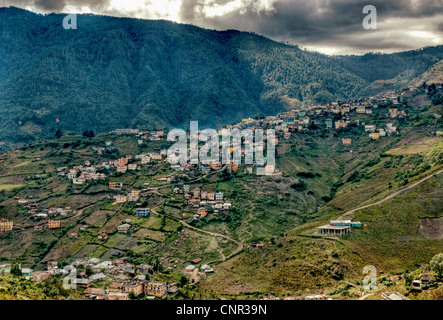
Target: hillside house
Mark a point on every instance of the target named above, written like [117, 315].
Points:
[206, 269]
[227, 205]
[259, 245]
[115, 185]
[155, 156]
[115, 287]
[338, 227]
[211, 196]
[136, 287]
[132, 166]
[52, 265]
[155, 288]
[196, 260]
[97, 277]
[123, 228]
[94, 293]
[122, 162]
[134, 195]
[190, 268]
[93, 261]
[194, 202]
[122, 169]
[120, 198]
[145, 160]
[145, 268]
[6, 225]
[27, 271]
[142, 212]
[103, 236]
[117, 296]
[54, 224]
[78, 180]
[393, 296]
[202, 212]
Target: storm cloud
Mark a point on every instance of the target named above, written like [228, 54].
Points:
[329, 26]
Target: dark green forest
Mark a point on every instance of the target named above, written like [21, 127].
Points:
[120, 72]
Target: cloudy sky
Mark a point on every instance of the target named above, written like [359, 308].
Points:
[328, 26]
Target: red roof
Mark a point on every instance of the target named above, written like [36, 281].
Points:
[197, 260]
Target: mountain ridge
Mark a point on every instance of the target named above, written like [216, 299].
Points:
[122, 72]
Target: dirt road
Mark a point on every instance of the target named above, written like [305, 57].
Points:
[392, 195]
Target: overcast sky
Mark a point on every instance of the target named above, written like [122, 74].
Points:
[328, 26]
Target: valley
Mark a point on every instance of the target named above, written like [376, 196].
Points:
[112, 205]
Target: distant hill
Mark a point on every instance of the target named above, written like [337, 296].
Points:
[433, 75]
[121, 72]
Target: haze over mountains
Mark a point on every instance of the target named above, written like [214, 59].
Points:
[121, 72]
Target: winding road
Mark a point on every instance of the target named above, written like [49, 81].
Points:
[396, 193]
[213, 234]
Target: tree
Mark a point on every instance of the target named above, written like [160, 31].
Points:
[88, 134]
[58, 134]
[437, 264]
[89, 271]
[183, 281]
[407, 277]
[15, 269]
[156, 265]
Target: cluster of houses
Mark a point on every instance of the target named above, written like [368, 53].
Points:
[122, 290]
[335, 115]
[132, 196]
[423, 281]
[84, 173]
[205, 202]
[142, 134]
[125, 278]
[49, 217]
[203, 270]
[99, 172]
[6, 269]
[376, 133]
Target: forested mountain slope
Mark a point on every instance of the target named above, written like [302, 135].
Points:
[119, 72]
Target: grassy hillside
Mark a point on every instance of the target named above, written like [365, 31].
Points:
[394, 240]
[433, 75]
[319, 179]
